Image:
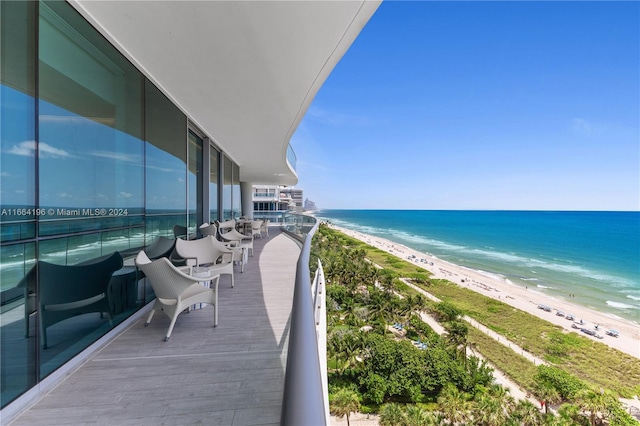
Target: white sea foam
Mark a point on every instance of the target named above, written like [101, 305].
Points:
[630, 296]
[621, 305]
[490, 274]
[529, 279]
[543, 286]
[570, 269]
[556, 265]
[417, 239]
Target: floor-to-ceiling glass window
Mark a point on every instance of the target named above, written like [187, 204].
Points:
[91, 178]
[195, 182]
[94, 159]
[227, 188]
[165, 165]
[214, 158]
[18, 371]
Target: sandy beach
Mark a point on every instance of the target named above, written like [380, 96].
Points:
[526, 299]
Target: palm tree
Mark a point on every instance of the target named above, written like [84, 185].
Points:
[387, 283]
[454, 404]
[527, 413]
[493, 406]
[418, 302]
[344, 402]
[417, 416]
[457, 336]
[345, 346]
[502, 395]
[569, 415]
[596, 404]
[547, 394]
[379, 306]
[392, 415]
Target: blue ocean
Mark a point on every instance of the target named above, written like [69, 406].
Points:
[593, 255]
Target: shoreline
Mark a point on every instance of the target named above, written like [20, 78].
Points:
[523, 298]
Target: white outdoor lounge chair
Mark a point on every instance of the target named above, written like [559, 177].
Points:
[208, 229]
[256, 228]
[204, 252]
[176, 291]
[238, 254]
[265, 227]
[228, 232]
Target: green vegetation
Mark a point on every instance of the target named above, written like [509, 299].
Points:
[596, 363]
[344, 402]
[513, 365]
[431, 380]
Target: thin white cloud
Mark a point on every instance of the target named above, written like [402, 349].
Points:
[126, 194]
[163, 169]
[314, 166]
[28, 149]
[25, 149]
[181, 180]
[582, 126]
[336, 118]
[5, 174]
[118, 156]
[64, 195]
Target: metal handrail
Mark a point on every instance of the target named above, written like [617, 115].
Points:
[303, 401]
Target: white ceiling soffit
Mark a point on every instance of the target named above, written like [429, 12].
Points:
[244, 71]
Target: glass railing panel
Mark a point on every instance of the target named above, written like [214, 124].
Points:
[272, 216]
[304, 394]
[291, 157]
[299, 225]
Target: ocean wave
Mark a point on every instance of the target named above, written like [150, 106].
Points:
[490, 274]
[417, 239]
[529, 279]
[543, 286]
[621, 305]
[554, 264]
[630, 296]
[512, 258]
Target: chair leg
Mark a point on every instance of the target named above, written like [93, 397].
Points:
[148, 321]
[173, 322]
[233, 283]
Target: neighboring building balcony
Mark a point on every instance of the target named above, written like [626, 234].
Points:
[233, 374]
[262, 197]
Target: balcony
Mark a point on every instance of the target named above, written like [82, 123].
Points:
[230, 375]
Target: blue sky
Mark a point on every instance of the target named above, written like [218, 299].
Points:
[480, 105]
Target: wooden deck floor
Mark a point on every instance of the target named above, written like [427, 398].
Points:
[229, 375]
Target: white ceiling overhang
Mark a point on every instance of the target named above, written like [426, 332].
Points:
[245, 72]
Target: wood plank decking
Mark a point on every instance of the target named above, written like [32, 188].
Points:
[229, 375]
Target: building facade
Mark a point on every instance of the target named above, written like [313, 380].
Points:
[273, 202]
[121, 120]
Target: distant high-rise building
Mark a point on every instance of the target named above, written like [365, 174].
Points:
[309, 205]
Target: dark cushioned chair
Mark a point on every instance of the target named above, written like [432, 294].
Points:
[67, 291]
